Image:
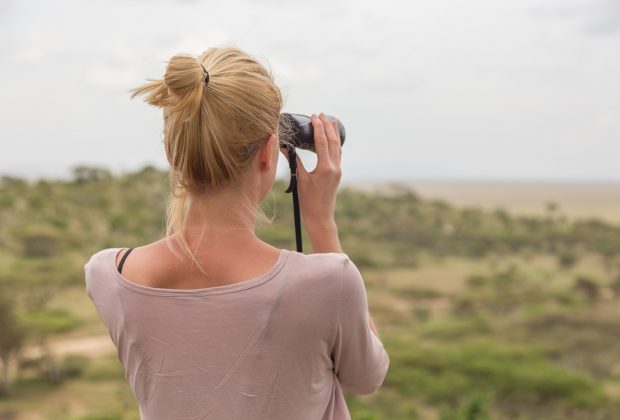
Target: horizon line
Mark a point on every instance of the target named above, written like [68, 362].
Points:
[354, 181]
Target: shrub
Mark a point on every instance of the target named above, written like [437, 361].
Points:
[73, 366]
[516, 374]
[567, 259]
[49, 321]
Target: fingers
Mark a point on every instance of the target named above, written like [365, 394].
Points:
[327, 146]
[320, 143]
[337, 130]
[332, 138]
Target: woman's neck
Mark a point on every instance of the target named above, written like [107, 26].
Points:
[219, 224]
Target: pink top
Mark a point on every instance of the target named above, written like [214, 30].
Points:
[282, 345]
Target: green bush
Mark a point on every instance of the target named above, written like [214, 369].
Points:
[49, 321]
[73, 366]
[567, 259]
[104, 369]
[454, 328]
[522, 374]
[39, 240]
[474, 407]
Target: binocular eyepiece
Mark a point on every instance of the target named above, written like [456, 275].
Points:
[301, 131]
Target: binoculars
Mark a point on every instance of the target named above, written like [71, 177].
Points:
[297, 128]
[300, 130]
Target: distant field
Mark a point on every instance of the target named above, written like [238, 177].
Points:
[576, 200]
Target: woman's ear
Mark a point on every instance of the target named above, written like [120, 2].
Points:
[267, 156]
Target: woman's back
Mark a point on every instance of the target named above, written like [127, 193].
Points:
[155, 265]
[211, 322]
[275, 346]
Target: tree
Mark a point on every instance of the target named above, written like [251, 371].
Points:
[11, 341]
[83, 173]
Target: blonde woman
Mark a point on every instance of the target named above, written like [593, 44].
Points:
[210, 322]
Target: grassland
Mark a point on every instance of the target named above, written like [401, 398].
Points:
[486, 314]
[578, 200]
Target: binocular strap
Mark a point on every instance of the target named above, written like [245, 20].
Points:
[292, 187]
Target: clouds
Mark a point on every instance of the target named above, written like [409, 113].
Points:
[604, 17]
[596, 17]
[519, 88]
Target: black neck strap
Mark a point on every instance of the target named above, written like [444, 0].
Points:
[292, 163]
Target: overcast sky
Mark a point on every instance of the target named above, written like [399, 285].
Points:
[442, 89]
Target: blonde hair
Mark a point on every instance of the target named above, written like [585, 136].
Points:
[213, 131]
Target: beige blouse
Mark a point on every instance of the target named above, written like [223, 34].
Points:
[282, 345]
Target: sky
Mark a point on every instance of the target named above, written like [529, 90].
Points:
[433, 89]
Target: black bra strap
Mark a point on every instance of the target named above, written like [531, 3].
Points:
[120, 265]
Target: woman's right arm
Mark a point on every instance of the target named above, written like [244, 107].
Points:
[326, 240]
[360, 359]
[318, 189]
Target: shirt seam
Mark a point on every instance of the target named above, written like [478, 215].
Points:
[339, 307]
[276, 271]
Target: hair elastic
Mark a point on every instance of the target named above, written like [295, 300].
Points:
[206, 74]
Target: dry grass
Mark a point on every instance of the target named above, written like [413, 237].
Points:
[576, 200]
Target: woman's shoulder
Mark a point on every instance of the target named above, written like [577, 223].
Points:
[96, 272]
[321, 264]
[321, 256]
[97, 256]
[103, 256]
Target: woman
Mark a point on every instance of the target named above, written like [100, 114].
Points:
[210, 321]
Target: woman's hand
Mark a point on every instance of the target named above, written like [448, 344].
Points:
[317, 189]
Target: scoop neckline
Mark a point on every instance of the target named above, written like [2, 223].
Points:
[214, 290]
